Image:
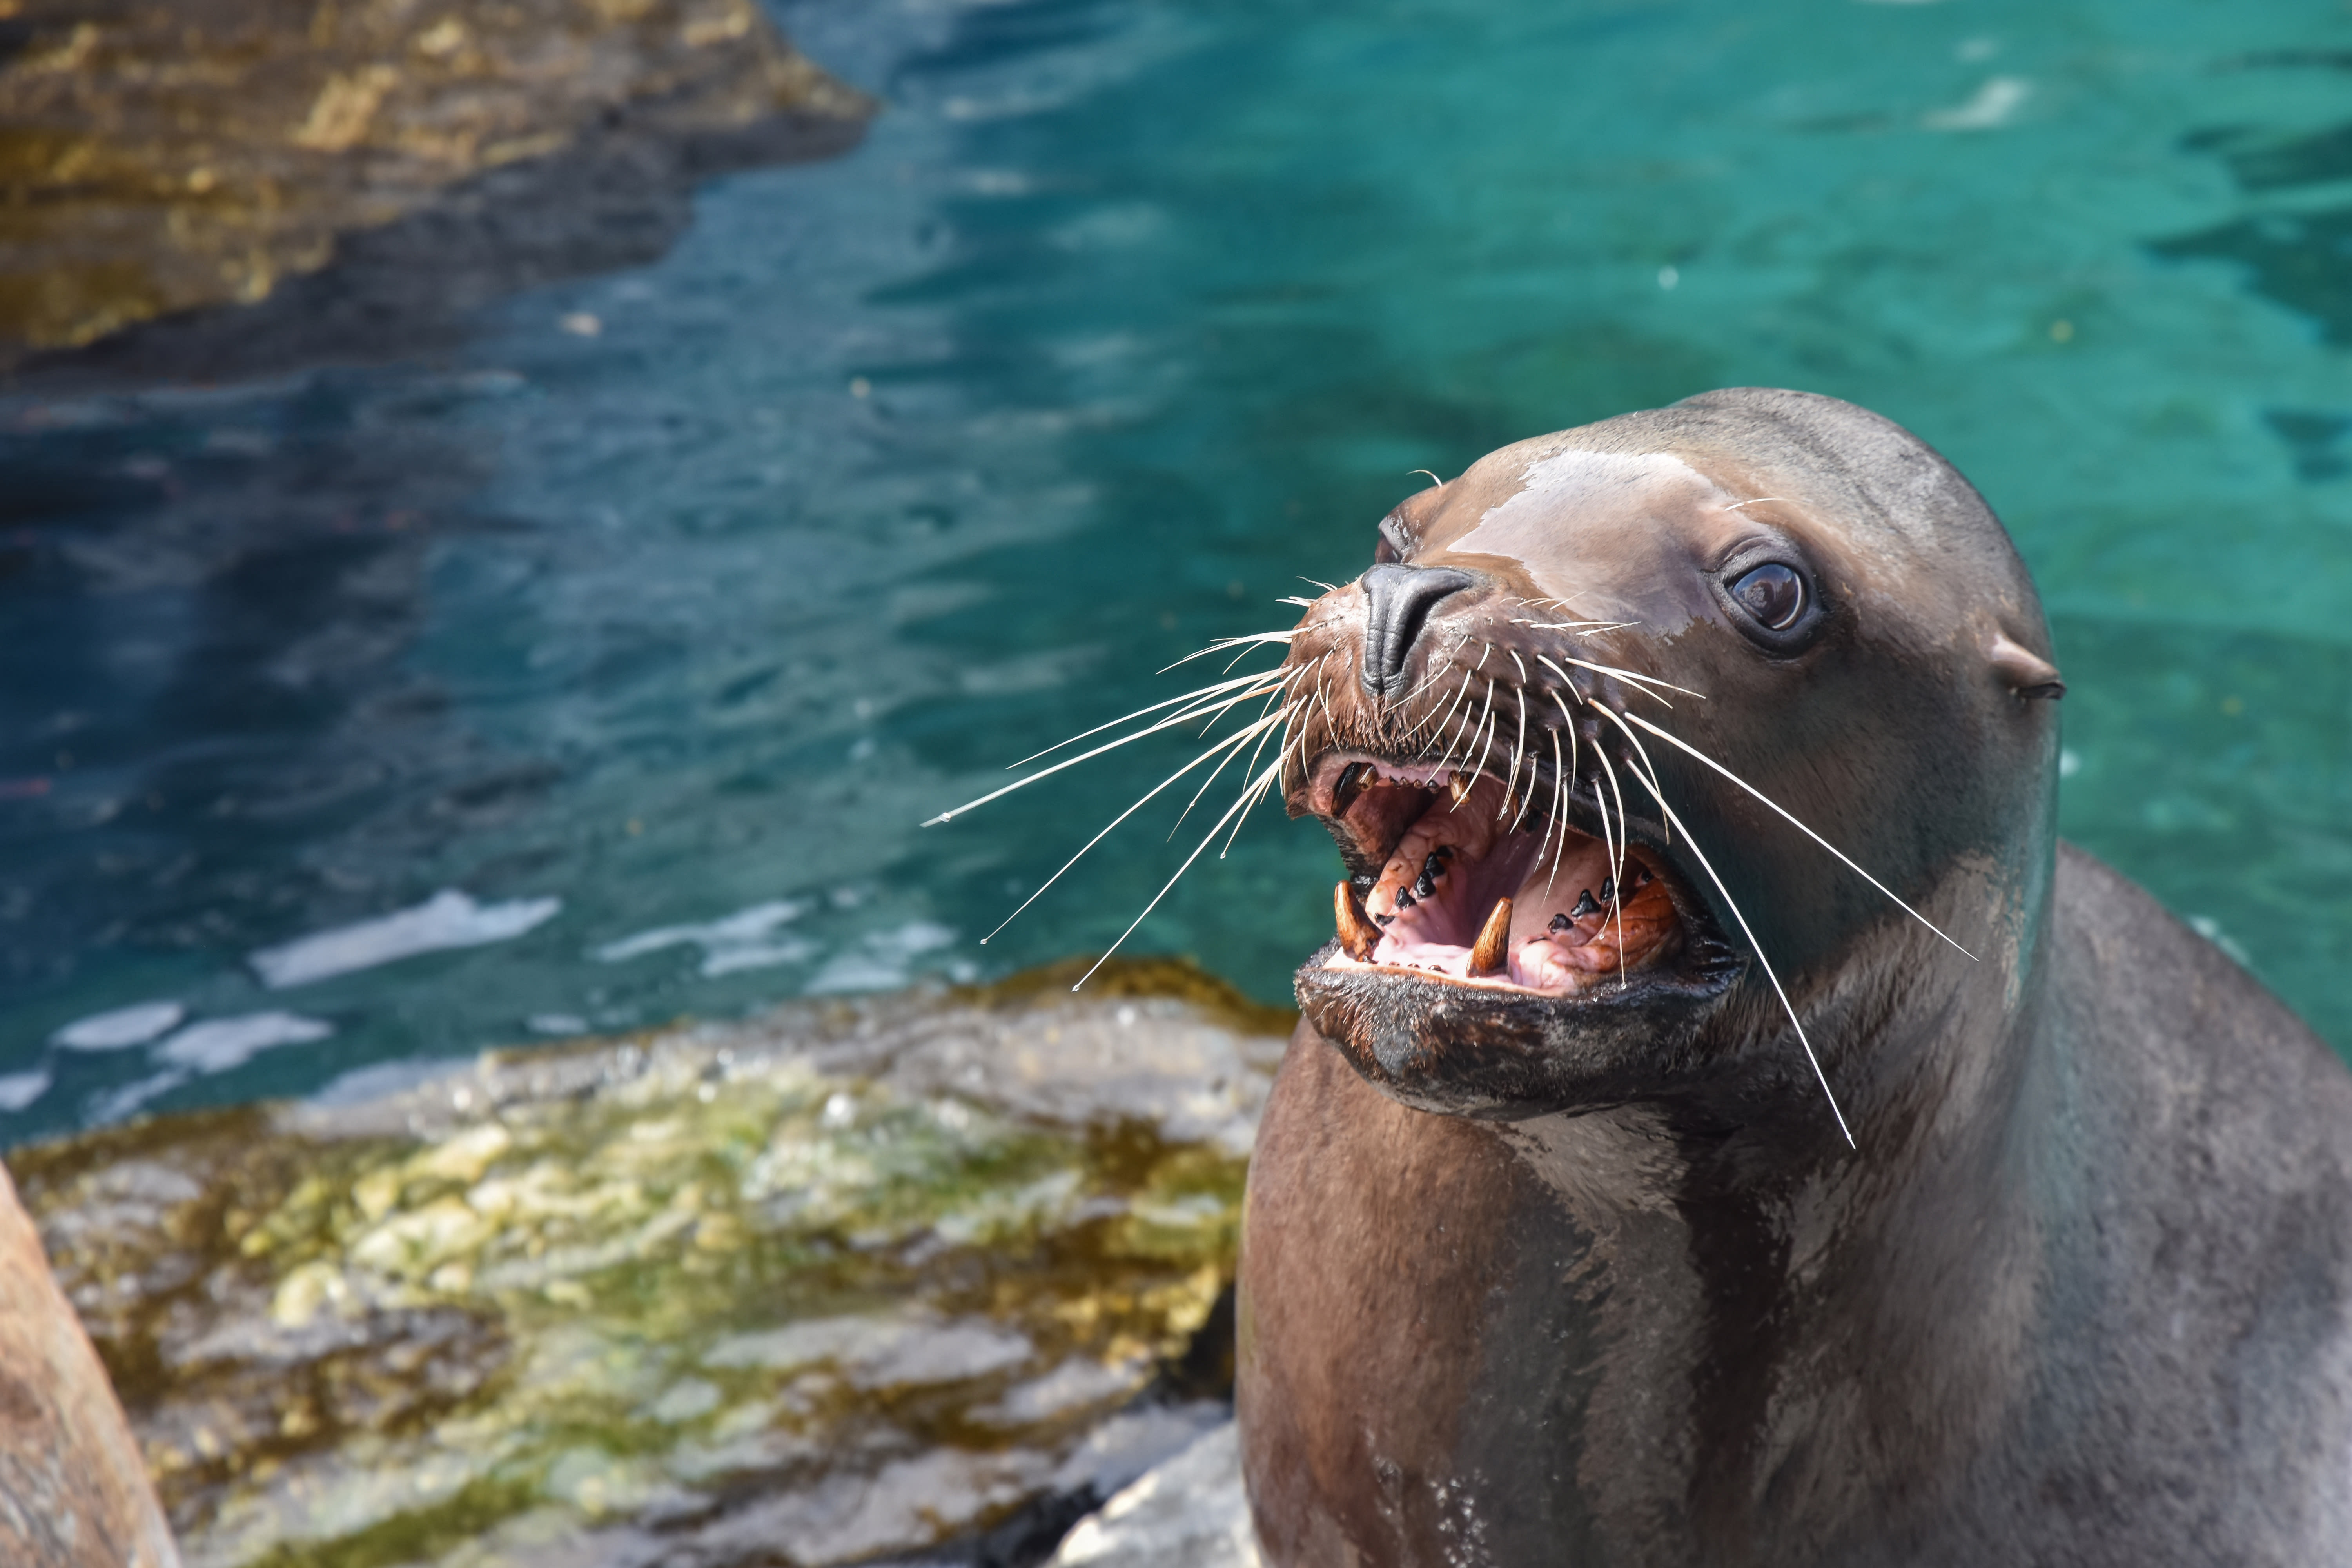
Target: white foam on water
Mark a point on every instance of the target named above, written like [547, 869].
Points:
[450, 919]
[120, 1028]
[117, 1103]
[1995, 103]
[19, 1089]
[217, 1044]
[880, 961]
[744, 940]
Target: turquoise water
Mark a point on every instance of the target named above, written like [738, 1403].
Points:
[655, 644]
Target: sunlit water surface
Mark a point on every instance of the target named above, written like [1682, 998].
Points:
[628, 646]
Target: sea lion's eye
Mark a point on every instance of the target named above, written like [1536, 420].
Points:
[1395, 543]
[1773, 593]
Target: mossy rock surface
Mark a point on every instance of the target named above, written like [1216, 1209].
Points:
[842, 1281]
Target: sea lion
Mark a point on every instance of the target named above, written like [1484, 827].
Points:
[1728, 1126]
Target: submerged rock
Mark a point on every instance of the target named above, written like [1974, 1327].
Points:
[839, 1282]
[162, 157]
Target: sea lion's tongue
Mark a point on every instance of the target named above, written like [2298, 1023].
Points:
[1569, 919]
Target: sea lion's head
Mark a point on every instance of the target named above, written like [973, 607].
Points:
[1556, 726]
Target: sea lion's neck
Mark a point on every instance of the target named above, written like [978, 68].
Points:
[1838, 1328]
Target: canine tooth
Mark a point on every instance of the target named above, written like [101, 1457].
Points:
[1353, 779]
[1358, 934]
[1494, 940]
[1458, 788]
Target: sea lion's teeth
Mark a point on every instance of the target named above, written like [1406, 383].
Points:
[1493, 948]
[1358, 934]
[1458, 787]
[1560, 923]
[1354, 779]
[1584, 905]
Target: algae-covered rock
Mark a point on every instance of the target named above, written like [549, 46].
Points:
[160, 156]
[841, 1281]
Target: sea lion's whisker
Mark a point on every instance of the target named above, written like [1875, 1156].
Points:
[1642, 751]
[1473, 756]
[1437, 668]
[1230, 811]
[1170, 722]
[1799, 826]
[1461, 687]
[1558, 811]
[1220, 644]
[1261, 788]
[1303, 604]
[1154, 708]
[1581, 628]
[1262, 729]
[1459, 733]
[1230, 743]
[1786, 1006]
[1641, 683]
[1523, 676]
[1518, 750]
[1315, 583]
[1759, 500]
[1616, 850]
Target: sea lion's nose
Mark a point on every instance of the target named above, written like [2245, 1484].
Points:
[1397, 602]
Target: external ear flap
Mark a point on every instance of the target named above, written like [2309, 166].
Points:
[2026, 675]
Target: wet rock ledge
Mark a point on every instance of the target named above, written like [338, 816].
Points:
[371, 168]
[919, 1278]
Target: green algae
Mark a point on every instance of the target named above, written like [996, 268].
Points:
[843, 1279]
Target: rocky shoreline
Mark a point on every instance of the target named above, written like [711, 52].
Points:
[214, 189]
[919, 1278]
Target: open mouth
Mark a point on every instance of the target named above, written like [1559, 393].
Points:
[1472, 886]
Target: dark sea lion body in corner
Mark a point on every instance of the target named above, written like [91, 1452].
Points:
[1550, 1264]
[74, 1491]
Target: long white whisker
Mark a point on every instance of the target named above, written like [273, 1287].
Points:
[1154, 708]
[1642, 751]
[1519, 749]
[1258, 727]
[1558, 813]
[1461, 688]
[1581, 628]
[1224, 643]
[1169, 722]
[1265, 784]
[1228, 744]
[1230, 811]
[1641, 683]
[1568, 722]
[1618, 852]
[1799, 826]
[1786, 1006]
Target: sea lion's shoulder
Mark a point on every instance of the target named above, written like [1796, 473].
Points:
[2208, 1051]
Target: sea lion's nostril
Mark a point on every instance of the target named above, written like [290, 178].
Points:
[1397, 602]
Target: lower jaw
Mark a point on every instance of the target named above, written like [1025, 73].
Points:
[1498, 1052]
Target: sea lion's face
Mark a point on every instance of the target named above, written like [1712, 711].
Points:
[1555, 900]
